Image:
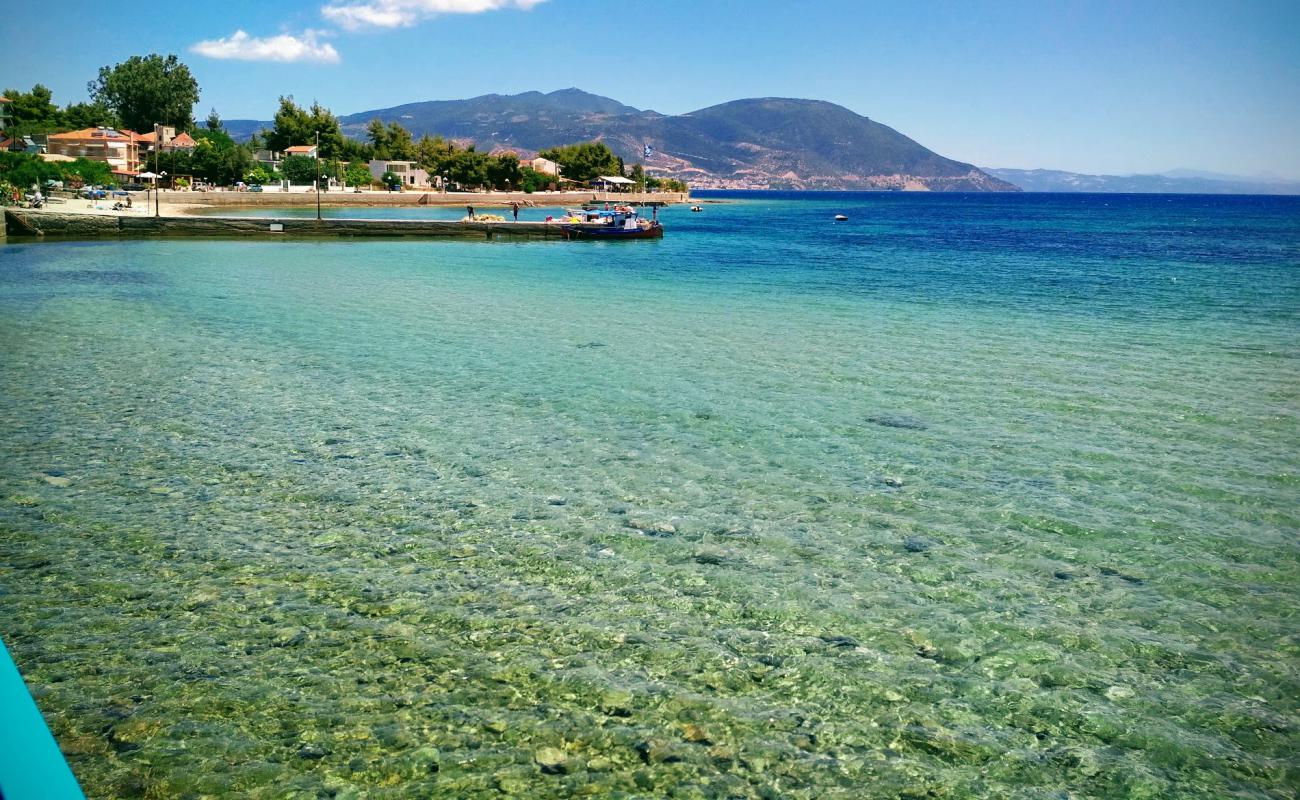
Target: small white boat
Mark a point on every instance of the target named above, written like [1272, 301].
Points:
[841, 218]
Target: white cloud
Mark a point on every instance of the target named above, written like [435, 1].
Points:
[403, 13]
[285, 47]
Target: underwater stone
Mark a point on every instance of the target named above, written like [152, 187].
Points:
[898, 421]
[555, 500]
[312, 751]
[552, 760]
[844, 642]
[710, 557]
[894, 481]
[916, 544]
[56, 480]
[617, 702]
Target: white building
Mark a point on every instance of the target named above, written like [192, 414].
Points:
[406, 172]
[542, 165]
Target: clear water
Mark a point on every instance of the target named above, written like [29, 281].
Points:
[969, 496]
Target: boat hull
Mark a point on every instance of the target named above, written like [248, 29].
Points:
[609, 234]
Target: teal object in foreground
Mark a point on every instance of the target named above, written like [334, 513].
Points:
[31, 765]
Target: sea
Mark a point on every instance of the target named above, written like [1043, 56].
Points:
[968, 496]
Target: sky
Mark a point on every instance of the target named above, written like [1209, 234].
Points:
[1094, 86]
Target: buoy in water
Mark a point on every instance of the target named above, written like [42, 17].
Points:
[841, 218]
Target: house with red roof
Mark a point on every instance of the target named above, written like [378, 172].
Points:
[181, 141]
[119, 149]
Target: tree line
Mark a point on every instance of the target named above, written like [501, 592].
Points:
[144, 90]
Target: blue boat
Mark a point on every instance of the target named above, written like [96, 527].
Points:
[618, 223]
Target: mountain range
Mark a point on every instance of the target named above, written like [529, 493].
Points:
[1181, 181]
[777, 143]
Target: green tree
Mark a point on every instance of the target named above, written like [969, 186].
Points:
[259, 174]
[503, 171]
[331, 135]
[24, 170]
[32, 112]
[146, 90]
[295, 125]
[391, 142]
[292, 126]
[94, 173]
[583, 162]
[470, 168]
[377, 133]
[299, 169]
[358, 174]
[530, 180]
[89, 115]
[218, 159]
[35, 106]
[214, 120]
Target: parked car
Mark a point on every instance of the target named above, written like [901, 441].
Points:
[254, 187]
[134, 187]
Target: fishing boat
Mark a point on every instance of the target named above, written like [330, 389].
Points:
[621, 222]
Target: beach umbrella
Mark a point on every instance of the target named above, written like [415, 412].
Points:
[147, 176]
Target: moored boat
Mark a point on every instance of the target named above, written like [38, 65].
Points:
[619, 223]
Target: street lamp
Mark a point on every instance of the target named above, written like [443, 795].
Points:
[316, 155]
[157, 138]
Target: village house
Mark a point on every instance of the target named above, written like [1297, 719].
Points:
[542, 165]
[181, 141]
[407, 173]
[308, 150]
[119, 149]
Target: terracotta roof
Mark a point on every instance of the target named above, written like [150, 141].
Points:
[4, 99]
[300, 148]
[181, 139]
[96, 133]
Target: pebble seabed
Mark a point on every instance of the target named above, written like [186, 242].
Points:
[273, 525]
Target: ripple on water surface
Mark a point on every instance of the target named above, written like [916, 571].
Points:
[730, 515]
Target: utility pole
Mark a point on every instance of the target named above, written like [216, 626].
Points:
[157, 187]
[316, 152]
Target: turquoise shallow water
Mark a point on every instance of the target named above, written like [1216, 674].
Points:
[969, 496]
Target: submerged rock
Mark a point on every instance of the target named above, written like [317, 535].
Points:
[916, 544]
[552, 760]
[647, 526]
[843, 642]
[902, 421]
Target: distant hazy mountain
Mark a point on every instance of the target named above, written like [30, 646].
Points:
[760, 143]
[1176, 182]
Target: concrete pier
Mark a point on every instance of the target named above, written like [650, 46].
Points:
[42, 223]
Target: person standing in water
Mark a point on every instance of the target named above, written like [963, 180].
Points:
[470, 211]
[514, 208]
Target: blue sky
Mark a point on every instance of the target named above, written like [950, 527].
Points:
[1088, 86]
